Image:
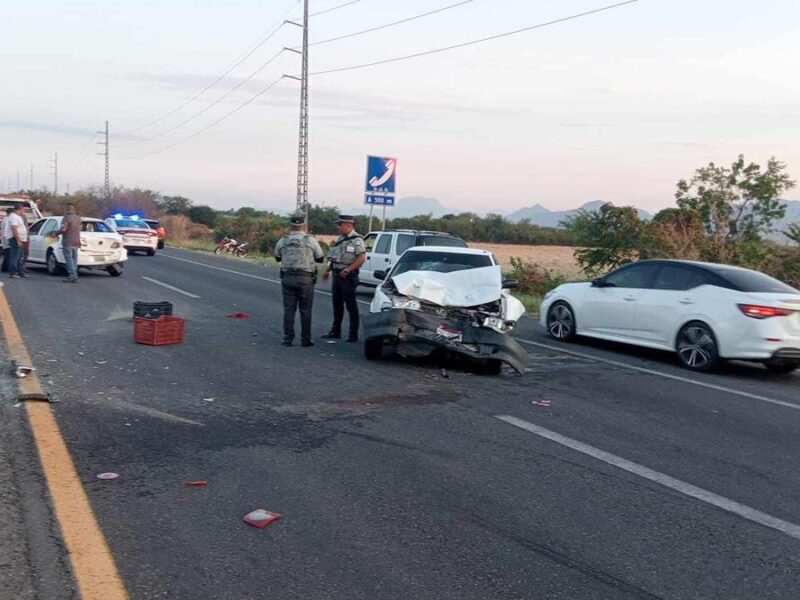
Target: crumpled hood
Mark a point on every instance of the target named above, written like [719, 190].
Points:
[461, 289]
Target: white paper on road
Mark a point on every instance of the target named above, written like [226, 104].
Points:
[471, 287]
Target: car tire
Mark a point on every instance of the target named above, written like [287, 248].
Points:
[160, 244]
[561, 322]
[151, 253]
[373, 349]
[782, 366]
[697, 347]
[115, 270]
[53, 267]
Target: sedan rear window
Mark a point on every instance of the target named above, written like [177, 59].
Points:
[440, 262]
[130, 224]
[753, 281]
[95, 226]
[441, 240]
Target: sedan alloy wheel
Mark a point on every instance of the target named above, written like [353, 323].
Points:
[697, 347]
[561, 322]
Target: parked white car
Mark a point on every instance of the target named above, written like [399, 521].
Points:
[453, 299]
[384, 248]
[137, 236]
[704, 312]
[101, 247]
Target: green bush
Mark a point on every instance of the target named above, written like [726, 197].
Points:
[534, 279]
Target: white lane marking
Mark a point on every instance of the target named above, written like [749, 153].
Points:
[702, 384]
[731, 506]
[171, 287]
[194, 262]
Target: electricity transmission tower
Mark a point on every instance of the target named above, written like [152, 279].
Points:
[107, 186]
[54, 167]
[302, 152]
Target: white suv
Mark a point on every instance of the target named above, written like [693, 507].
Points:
[385, 247]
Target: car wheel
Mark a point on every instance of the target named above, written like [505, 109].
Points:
[52, 263]
[782, 366]
[561, 322]
[160, 244]
[373, 349]
[115, 270]
[697, 347]
[151, 253]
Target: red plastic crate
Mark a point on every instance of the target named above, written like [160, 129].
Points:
[159, 332]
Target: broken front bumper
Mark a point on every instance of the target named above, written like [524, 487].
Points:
[416, 334]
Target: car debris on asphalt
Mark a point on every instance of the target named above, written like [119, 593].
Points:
[197, 483]
[23, 371]
[107, 476]
[261, 518]
[239, 315]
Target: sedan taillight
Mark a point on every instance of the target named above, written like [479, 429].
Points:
[754, 311]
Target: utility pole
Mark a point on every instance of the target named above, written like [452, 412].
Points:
[302, 152]
[105, 143]
[54, 167]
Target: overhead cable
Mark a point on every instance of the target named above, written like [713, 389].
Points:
[478, 41]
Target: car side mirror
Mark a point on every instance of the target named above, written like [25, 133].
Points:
[379, 275]
[510, 284]
[598, 283]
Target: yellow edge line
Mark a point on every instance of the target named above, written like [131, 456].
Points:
[92, 562]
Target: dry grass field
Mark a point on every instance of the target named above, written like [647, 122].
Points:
[556, 258]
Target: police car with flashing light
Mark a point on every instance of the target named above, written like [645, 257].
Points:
[137, 236]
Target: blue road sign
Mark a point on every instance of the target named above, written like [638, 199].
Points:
[378, 200]
[381, 176]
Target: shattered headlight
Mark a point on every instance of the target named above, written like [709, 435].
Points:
[498, 324]
[406, 303]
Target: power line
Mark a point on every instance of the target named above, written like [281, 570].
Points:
[209, 126]
[209, 106]
[392, 24]
[333, 8]
[248, 53]
[478, 41]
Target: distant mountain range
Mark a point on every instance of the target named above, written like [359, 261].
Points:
[537, 214]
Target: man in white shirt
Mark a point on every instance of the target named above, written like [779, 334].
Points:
[19, 235]
[5, 234]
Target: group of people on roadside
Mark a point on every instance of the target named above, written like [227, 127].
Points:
[298, 254]
[16, 243]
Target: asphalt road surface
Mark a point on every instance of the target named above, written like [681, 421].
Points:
[638, 480]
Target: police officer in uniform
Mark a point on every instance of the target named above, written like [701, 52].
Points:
[297, 253]
[345, 257]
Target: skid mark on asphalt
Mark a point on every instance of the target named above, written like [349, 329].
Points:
[726, 504]
[662, 374]
[130, 407]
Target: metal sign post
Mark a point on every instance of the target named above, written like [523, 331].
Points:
[380, 185]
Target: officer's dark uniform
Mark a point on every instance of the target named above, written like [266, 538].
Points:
[344, 252]
[297, 253]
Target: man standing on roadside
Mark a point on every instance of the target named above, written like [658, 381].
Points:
[71, 241]
[346, 256]
[5, 233]
[298, 252]
[19, 235]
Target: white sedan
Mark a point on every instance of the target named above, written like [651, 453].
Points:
[101, 247]
[137, 236]
[704, 312]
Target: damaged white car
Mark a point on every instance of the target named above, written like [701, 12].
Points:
[451, 299]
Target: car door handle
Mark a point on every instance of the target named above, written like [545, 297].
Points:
[687, 301]
[630, 298]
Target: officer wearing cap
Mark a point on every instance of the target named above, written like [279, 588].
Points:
[345, 257]
[298, 252]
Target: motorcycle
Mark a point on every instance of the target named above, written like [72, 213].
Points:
[231, 246]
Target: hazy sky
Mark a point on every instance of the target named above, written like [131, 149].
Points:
[616, 106]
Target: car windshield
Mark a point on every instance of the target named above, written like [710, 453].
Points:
[753, 281]
[131, 224]
[153, 224]
[440, 262]
[95, 226]
[442, 240]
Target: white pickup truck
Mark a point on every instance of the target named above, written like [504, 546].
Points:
[385, 247]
